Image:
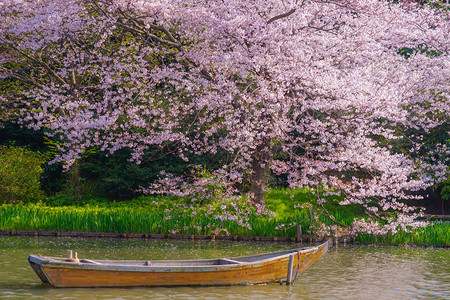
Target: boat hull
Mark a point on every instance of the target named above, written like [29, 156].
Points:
[63, 274]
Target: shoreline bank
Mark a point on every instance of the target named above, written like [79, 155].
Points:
[343, 241]
[50, 233]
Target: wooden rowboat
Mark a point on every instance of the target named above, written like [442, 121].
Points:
[281, 266]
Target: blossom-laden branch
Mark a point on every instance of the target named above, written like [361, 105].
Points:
[311, 90]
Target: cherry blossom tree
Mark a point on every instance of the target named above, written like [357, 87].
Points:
[313, 89]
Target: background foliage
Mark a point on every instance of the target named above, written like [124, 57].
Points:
[20, 172]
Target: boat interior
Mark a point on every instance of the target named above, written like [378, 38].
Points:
[202, 262]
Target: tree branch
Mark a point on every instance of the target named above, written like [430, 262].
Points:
[40, 62]
[286, 14]
[141, 32]
[20, 78]
[331, 217]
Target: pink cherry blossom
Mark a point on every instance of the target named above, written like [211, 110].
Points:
[320, 82]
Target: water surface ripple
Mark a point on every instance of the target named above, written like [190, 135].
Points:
[359, 272]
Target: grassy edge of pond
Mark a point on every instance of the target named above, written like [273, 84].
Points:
[170, 215]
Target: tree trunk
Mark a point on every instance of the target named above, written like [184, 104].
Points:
[258, 181]
[75, 185]
[258, 178]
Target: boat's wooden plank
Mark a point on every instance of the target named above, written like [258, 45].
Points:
[265, 256]
[89, 261]
[38, 270]
[223, 261]
[86, 278]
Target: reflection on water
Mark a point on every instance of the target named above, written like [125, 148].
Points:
[361, 272]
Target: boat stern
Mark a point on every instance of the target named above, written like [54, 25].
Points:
[36, 264]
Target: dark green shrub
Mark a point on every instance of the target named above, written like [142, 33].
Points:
[20, 171]
[115, 177]
[11, 134]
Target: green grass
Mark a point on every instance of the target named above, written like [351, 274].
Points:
[119, 220]
[157, 215]
[178, 215]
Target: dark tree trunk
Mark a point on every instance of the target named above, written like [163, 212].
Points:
[258, 181]
[258, 177]
[75, 184]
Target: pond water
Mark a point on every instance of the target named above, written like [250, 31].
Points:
[353, 272]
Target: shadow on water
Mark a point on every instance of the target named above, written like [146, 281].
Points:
[354, 272]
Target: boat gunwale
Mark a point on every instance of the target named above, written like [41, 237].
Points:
[104, 265]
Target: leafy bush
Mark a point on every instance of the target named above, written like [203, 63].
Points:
[12, 134]
[20, 171]
[115, 177]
